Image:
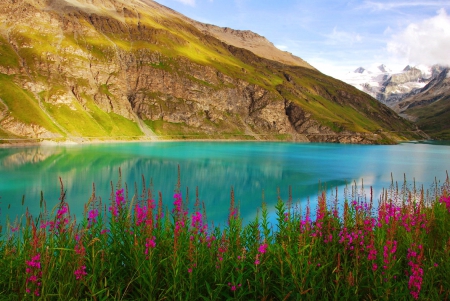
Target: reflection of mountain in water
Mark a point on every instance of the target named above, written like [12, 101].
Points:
[248, 170]
[214, 168]
[26, 156]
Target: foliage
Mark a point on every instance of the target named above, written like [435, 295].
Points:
[133, 248]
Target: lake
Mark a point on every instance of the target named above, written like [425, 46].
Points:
[251, 168]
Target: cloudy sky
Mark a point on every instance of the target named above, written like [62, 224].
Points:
[338, 36]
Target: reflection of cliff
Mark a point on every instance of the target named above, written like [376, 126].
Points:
[249, 169]
[26, 156]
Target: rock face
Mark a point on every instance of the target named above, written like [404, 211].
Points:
[391, 87]
[97, 69]
[251, 41]
[430, 106]
[419, 94]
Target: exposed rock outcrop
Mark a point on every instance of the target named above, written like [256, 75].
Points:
[113, 68]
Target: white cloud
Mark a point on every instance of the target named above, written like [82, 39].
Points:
[426, 42]
[187, 2]
[394, 5]
[343, 37]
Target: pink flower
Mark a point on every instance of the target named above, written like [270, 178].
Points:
[34, 274]
[196, 220]
[257, 262]
[262, 248]
[445, 200]
[177, 203]
[149, 244]
[80, 272]
[92, 216]
[140, 214]
[233, 287]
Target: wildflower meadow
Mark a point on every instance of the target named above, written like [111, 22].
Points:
[395, 246]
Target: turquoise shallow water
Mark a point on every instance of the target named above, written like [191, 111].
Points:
[213, 167]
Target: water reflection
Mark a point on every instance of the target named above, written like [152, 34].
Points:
[214, 168]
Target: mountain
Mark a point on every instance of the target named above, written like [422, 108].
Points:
[113, 69]
[387, 86]
[419, 93]
[430, 107]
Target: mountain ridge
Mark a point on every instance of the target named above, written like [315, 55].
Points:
[413, 93]
[79, 69]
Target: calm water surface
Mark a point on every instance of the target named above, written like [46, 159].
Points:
[213, 167]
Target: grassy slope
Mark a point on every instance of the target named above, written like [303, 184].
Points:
[22, 104]
[76, 120]
[434, 118]
[176, 39]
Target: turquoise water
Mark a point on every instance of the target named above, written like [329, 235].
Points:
[214, 167]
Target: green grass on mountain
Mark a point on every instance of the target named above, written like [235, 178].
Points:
[75, 121]
[93, 122]
[180, 130]
[8, 57]
[434, 118]
[22, 104]
[122, 54]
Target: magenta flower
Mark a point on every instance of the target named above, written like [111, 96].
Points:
[233, 287]
[262, 248]
[257, 261]
[178, 203]
[445, 200]
[416, 276]
[92, 217]
[196, 220]
[149, 244]
[34, 275]
[116, 207]
[80, 272]
[140, 214]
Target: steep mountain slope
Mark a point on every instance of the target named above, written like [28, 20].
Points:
[97, 69]
[430, 107]
[417, 93]
[251, 41]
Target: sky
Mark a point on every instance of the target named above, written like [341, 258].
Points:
[339, 36]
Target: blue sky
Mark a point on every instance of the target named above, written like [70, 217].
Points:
[338, 36]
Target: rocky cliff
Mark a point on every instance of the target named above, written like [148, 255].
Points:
[429, 107]
[102, 69]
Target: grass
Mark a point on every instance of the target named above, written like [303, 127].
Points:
[182, 52]
[23, 105]
[220, 130]
[133, 248]
[433, 118]
[8, 57]
[93, 122]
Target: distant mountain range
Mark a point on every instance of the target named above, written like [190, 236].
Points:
[134, 69]
[420, 94]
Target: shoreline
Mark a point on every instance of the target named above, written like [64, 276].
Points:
[30, 142]
[44, 142]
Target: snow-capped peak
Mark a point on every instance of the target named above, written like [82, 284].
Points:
[384, 69]
[407, 68]
[387, 86]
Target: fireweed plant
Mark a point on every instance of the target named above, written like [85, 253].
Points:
[133, 248]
